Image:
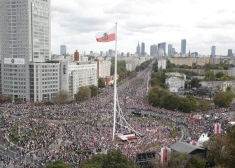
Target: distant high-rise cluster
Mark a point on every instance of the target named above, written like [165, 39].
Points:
[138, 49]
[162, 47]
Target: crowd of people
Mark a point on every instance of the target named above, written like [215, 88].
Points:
[37, 135]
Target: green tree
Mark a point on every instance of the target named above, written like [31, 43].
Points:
[195, 82]
[94, 90]
[178, 160]
[209, 76]
[113, 159]
[58, 164]
[219, 74]
[62, 97]
[84, 93]
[196, 162]
[101, 83]
[223, 99]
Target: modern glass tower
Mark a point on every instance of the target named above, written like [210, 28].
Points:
[153, 50]
[25, 37]
[142, 49]
[63, 50]
[213, 51]
[183, 46]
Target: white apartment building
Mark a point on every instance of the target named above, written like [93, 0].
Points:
[24, 38]
[104, 68]
[77, 74]
[69, 58]
[44, 81]
[83, 58]
[161, 63]
[175, 84]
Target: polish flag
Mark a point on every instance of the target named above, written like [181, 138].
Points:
[217, 129]
[107, 36]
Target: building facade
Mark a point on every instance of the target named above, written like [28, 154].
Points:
[170, 46]
[183, 46]
[77, 74]
[44, 81]
[142, 49]
[230, 52]
[138, 49]
[175, 84]
[213, 51]
[63, 50]
[153, 50]
[163, 47]
[25, 37]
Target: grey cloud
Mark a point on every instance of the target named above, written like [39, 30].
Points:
[220, 38]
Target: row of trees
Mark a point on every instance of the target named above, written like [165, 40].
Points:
[224, 99]
[143, 65]
[163, 98]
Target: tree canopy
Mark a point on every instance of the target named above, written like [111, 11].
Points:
[84, 93]
[113, 159]
[224, 99]
[101, 83]
[58, 164]
[62, 97]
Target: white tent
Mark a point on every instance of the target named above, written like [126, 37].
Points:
[203, 138]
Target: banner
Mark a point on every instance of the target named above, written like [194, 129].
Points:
[16, 61]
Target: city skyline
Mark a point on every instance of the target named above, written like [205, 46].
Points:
[210, 26]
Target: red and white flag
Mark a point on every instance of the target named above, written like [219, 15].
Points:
[107, 36]
[217, 129]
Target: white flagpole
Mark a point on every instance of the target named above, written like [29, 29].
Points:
[115, 87]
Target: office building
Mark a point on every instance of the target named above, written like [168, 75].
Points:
[76, 56]
[44, 81]
[153, 50]
[77, 74]
[163, 47]
[103, 68]
[230, 52]
[138, 49]
[142, 49]
[213, 51]
[170, 46]
[63, 50]
[183, 46]
[25, 37]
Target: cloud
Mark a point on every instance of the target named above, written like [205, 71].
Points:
[75, 23]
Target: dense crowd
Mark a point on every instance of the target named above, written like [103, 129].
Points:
[72, 132]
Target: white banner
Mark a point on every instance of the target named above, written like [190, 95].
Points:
[19, 61]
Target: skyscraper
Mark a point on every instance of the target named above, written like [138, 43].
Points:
[162, 46]
[153, 50]
[230, 52]
[170, 49]
[183, 46]
[138, 49]
[213, 51]
[25, 37]
[63, 50]
[142, 49]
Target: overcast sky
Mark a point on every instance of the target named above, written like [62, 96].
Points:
[202, 22]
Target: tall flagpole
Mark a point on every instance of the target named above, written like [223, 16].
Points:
[115, 87]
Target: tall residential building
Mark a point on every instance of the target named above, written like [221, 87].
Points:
[142, 49]
[153, 50]
[230, 52]
[63, 50]
[76, 56]
[163, 47]
[77, 74]
[138, 49]
[25, 37]
[170, 46]
[183, 46]
[213, 51]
